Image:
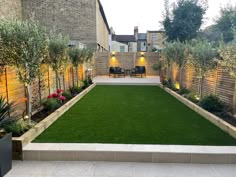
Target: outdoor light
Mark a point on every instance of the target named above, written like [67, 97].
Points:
[113, 55]
[177, 85]
[26, 117]
[197, 97]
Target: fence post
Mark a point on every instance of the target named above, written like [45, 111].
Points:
[234, 98]
[49, 86]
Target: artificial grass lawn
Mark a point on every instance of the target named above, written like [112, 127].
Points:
[133, 115]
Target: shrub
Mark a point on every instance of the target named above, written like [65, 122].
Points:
[51, 104]
[5, 108]
[192, 97]
[66, 94]
[212, 103]
[75, 90]
[17, 128]
[168, 83]
[184, 91]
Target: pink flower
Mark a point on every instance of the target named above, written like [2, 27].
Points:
[50, 96]
[59, 91]
[62, 98]
[55, 95]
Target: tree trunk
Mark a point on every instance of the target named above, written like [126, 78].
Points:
[73, 77]
[77, 76]
[58, 81]
[28, 102]
[201, 86]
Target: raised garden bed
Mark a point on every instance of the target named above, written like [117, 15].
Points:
[20, 142]
[225, 126]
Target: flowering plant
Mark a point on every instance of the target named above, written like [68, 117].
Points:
[58, 96]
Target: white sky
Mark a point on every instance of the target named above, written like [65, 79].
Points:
[123, 15]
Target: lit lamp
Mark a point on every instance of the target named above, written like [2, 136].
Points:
[177, 86]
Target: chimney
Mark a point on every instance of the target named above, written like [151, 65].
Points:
[136, 33]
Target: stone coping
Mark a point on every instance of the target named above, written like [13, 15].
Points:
[130, 148]
[225, 126]
[130, 153]
[45, 123]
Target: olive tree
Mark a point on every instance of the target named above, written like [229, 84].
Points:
[204, 59]
[23, 45]
[228, 54]
[76, 57]
[176, 52]
[58, 57]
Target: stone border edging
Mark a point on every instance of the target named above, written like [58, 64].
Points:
[130, 153]
[225, 126]
[45, 123]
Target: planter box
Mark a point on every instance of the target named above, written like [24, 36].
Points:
[5, 154]
[20, 142]
[225, 126]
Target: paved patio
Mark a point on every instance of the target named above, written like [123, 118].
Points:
[117, 169]
[106, 80]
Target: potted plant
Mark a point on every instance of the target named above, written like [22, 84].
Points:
[5, 139]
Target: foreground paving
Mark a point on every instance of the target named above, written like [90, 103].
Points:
[117, 169]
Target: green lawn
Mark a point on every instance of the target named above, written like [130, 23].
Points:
[133, 115]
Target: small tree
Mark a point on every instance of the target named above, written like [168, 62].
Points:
[75, 55]
[23, 45]
[177, 52]
[228, 53]
[58, 57]
[203, 60]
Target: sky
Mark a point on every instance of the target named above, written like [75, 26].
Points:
[123, 15]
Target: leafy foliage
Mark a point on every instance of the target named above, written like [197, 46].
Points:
[51, 104]
[5, 108]
[228, 53]
[23, 45]
[226, 23]
[186, 20]
[58, 57]
[203, 57]
[212, 103]
[176, 52]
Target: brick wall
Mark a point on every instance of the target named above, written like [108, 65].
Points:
[10, 9]
[76, 18]
[125, 60]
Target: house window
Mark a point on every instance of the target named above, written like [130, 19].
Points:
[122, 48]
[154, 37]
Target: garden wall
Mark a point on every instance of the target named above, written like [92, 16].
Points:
[11, 9]
[126, 60]
[45, 84]
[217, 82]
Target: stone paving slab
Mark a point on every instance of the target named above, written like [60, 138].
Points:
[117, 169]
[130, 153]
[106, 80]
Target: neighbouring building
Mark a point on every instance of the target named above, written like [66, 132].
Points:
[155, 40]
[84, 21]
[141, 42]
[124, 40]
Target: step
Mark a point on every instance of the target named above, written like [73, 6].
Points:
[130, 153]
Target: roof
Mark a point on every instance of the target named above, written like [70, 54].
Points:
[103, 15]
[123, 38]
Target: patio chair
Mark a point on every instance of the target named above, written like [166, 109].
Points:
[116, 71]
[138, 70]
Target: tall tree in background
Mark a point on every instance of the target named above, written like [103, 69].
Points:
[226, 23]
[185, 20]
